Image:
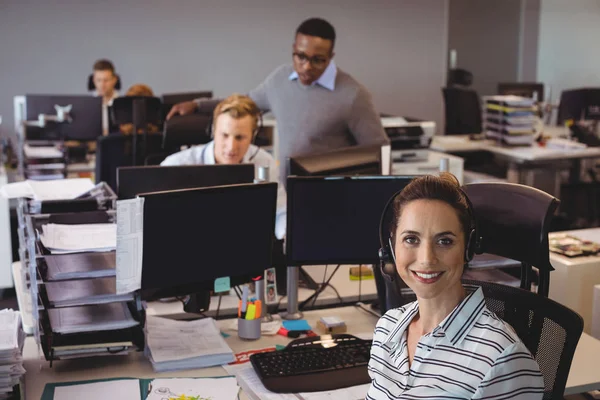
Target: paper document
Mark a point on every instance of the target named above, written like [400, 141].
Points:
[174, 345]
[102, 317]
[63, 239]
[41, 152]
[203, 388]
[58, 189]
[12, 339]
[80, 266]
[62, 189]
[117, 389]
[84, 292]
[254, 389]
[130, 244]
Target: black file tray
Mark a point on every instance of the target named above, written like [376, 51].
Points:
[101, 197]
[49, 339]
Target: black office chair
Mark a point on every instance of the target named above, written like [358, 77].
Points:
[462, 111]
[548, 329]
[187, 130]
[115, 151]
[514, 221]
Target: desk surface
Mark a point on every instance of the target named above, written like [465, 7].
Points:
[584, 374]
[136, 365]
[523, 154]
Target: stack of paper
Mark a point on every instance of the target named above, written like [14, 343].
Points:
[41, 152]
[510, 118]
[225, 388]
[177, 345]
[64, 239]
[12, 339]
[102, 317]
[59, 189]
[84, 292]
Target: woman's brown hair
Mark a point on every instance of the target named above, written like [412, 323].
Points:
[444, 187]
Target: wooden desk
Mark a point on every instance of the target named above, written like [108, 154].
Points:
[573, 279]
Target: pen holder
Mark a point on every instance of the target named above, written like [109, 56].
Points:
[249, 329]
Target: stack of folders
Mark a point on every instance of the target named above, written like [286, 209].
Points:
[79, 238]
[179, 345]
[12, 339]
[510, 119]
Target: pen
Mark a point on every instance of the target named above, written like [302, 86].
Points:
[244, 301]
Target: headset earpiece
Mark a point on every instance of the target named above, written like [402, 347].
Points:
[387, 260]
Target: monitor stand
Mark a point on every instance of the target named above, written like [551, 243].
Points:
[197, 303]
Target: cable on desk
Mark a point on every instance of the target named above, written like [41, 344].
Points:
[320, 289]
[218, 306]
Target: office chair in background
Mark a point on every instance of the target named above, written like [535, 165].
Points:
[513, 221]
[187, 130]
[462, 111]
[116, 151]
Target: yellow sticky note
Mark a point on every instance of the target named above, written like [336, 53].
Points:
[251, 311]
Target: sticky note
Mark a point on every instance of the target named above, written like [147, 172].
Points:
[225, 335]
[298, 325]
[222, 284]
[251, 312]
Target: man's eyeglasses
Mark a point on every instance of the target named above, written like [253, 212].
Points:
[315, 61]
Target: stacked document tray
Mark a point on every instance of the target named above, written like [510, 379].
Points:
[63, 196]
[68, 272]
[79, 313]
[510, 119]
[43, 162]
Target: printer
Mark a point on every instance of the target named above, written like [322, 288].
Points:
[410, 137]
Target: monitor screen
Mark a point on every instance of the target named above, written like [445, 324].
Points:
[579, 104]
[132, 181]
[191, 237]
[354, 160]
[335, 220]
[529, 90]
[86, 117]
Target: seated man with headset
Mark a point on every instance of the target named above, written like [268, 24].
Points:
[235, 125]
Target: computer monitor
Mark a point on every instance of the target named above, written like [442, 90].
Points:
[170, 99]
[192, 237]
[335, 220]
[132, 181]
[353, 160]
[532, 90]
[85, 114]
[578, 104]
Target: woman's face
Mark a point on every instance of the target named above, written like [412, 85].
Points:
[429, 248]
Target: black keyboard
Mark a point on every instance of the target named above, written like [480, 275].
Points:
[315, 364]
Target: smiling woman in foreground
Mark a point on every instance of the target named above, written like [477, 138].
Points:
[447, 344]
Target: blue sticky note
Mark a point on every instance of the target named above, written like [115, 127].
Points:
[297, 325]
[222, 284]
[225, 335]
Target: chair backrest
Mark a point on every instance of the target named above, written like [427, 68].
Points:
[187, 130]
[462, 111]
[514, 221]
[548, 329]
[115, 151]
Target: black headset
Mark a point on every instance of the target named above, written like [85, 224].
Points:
[387, 258]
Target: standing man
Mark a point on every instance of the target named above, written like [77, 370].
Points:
[105, 79]
[318, 107]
